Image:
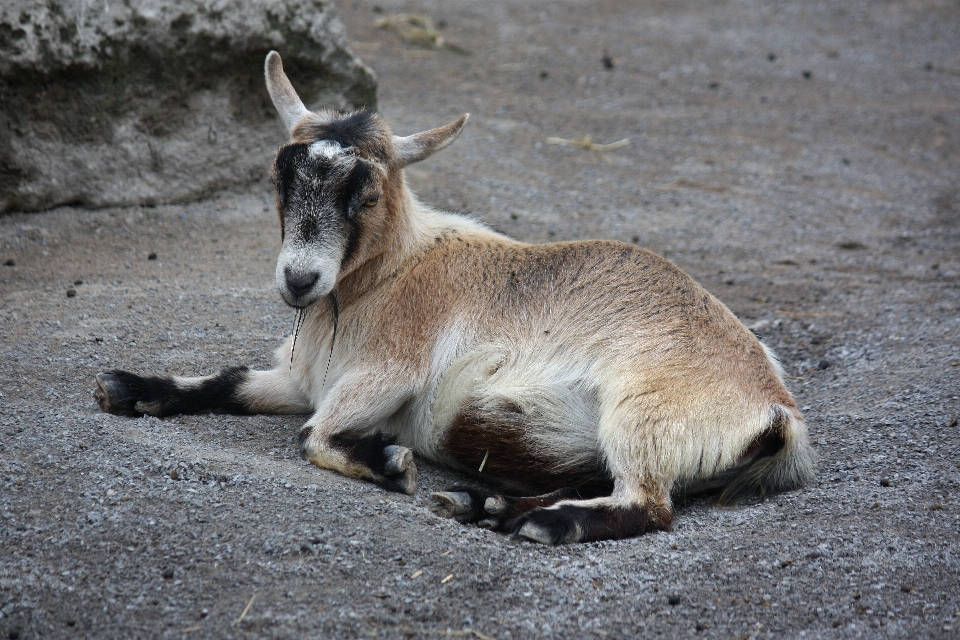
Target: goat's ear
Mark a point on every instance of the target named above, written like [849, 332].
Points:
[285, 99]
[410, 149]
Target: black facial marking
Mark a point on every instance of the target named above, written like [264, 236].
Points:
[308, 226]
[285, 169]
[352, 187]
[125, 390]
[349, 203]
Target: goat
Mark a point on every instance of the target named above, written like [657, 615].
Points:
[588, 381]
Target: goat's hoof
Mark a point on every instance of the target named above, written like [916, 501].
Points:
[400, 473]
[547, 526]
[495, 505]
[453, 503]
[114, 394]
[397, 459]
[537, 533]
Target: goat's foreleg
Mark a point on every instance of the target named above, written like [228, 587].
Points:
[343, 436]
[233, 390]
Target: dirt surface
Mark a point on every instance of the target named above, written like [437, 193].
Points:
[800, 159]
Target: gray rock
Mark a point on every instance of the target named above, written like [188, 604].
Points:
[110, 103]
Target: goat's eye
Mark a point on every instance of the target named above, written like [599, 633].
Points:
[371, 201]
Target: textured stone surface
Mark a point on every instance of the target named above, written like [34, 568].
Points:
[106, 103]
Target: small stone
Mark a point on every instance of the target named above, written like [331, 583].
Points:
[167, 574]
[174, 474]
[824, 364]
[953, 422]
[152, 256]
[701, 626]
[673, 600]
[884, 482]
[71, 292]
[608, 63]
[807, 75]
[907, 588]
[204, 613]
[71, 622]
[78, 282]
[11, 262]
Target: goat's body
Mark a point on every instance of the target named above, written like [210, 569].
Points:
[557, 363]
[595, 373]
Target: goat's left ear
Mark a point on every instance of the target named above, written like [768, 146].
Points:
[414, 148]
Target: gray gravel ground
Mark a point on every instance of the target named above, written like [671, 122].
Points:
[800, 159]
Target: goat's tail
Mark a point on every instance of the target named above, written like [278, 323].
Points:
[780, 459]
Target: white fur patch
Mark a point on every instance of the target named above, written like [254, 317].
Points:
[325, 148]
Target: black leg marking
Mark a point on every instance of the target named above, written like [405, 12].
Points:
[392, 465]
[132, 395]
[495, 511]
[572, 523]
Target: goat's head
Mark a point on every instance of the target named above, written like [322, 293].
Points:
[339, 188]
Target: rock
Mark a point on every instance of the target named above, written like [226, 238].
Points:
[156, 101]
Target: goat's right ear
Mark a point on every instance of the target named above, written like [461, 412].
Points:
[285, 99]
[410, 149]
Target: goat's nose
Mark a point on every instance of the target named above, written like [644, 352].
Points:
[299, 283]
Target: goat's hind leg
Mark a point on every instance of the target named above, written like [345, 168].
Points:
[492, 510]
[236, 390]
[622, 515]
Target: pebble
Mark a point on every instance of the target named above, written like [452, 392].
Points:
[152, 256]
[673, 600]
[884, 482]
[71, 292]
[167, 574]
[11, 262]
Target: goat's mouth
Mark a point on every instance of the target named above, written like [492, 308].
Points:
[299, 303]
[302, 289]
